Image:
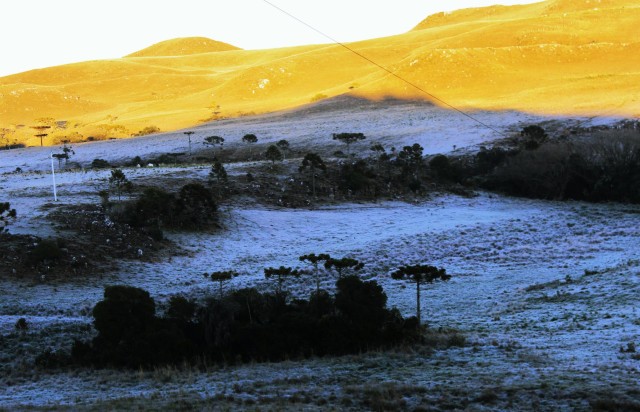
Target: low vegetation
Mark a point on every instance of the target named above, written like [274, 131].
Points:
[245, 325]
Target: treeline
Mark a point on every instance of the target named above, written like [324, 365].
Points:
[245, 325]
[604, 167]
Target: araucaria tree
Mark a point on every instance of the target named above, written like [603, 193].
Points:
[189, 133]
[420, 274]
[273, 154]
[312, 162]
[340, 265]
[250, 139]
[217, 176]
[283, 145]
[6, 214]
[410, 159]
[41, 131]
[314, 260]
[67, 151]
[280, 274]
[222, 277]
[214, 141]
[349, 139]
[119, 182]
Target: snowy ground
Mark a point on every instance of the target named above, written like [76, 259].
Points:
[393, 123]
[545, 292]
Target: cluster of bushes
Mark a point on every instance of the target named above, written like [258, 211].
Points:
[383, 174]
[604, 167]
[192, 207]
[243, 326]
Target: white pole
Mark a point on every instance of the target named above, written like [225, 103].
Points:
[53, 175]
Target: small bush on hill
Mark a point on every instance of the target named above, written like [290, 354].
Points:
[100, 164]
[193, 208]
[46, 250]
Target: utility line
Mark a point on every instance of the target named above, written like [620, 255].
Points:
[415, 86]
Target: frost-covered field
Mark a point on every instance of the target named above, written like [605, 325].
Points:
[545, 292]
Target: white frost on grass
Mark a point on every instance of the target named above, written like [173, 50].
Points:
[567, 331]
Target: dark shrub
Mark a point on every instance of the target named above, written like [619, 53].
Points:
[46, 250]
[363, 304]
[601, 168]
[440, 166]
[21, 324]
[153, 208]
[533, 136]
[100, 164]
[129, 333]
[181, 309]
[357, 178]
[486, 160]
[124, 313]
[195, 207]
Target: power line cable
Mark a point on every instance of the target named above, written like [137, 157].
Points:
[410, 83]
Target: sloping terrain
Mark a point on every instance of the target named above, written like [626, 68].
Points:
[554, 57]
[545, 292]
[183, 46]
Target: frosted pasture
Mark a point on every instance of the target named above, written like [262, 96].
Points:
[546, 292]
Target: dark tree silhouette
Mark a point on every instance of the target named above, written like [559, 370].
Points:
[223, 276]
[440, 166]
[314, 260]
[313, 162]
[284, 147]
[250, 139]
[59, 157]
[217, 176]
[349, 139]
[189, 133]
[67, 151]
[41, 134]
[273, 154]
[420, 274]
[214, 141]
[119, 181]
[125, 312]
[342, 264]
[21, 325]
[195, 206]
[6, 214]
[534, 136]
[280, 274]
[410, 159]
[382, 158]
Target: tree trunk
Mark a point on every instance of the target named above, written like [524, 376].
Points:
[418, 302]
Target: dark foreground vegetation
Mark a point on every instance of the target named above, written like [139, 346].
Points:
[604, 166]
[243, 326]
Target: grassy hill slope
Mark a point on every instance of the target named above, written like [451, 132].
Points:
[553, 57]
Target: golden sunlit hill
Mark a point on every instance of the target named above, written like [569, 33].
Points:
[184, 46]
[574, 57]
